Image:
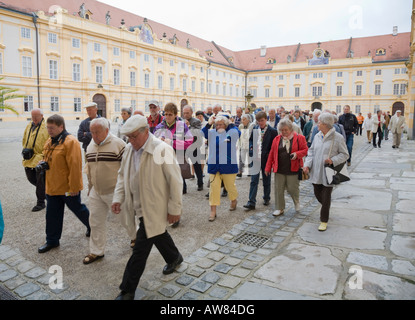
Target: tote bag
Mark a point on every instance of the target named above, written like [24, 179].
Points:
[336, 174]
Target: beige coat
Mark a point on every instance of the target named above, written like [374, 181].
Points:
[397, 124]
[375, 123]
[160, 185]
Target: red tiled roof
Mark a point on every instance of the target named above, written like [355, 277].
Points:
[397, 47]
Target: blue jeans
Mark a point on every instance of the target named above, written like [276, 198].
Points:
[349, 144]
[54, 215]
[253, 189]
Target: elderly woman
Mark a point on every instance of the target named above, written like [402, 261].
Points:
[125, 115]
[243, 143]
[222, 160]
[326, 141]
[285, 160]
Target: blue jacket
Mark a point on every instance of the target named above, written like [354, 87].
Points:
[1, 223]
[222, 149]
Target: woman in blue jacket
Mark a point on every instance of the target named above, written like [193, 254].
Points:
[222, 160]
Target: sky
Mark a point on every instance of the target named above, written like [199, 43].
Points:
[249, 24]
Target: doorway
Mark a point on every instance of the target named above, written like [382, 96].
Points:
[101, 102]
[316, 105]
[398, 106]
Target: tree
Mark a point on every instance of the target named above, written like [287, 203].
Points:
[7, 94]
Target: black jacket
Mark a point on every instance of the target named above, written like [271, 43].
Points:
[349, 122]
[269, 136]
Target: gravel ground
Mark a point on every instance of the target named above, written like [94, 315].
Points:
[25, 230]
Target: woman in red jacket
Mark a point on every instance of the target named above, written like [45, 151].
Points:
[285, 160]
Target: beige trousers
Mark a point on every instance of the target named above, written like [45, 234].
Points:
[369, 135]
[215, 186]
[99, 209]
[286, 182]
[397, 139]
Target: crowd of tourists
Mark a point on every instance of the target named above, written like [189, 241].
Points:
[151, 160]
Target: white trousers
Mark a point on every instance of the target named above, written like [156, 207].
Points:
[99, 208]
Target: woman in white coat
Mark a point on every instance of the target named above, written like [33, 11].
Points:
[377, 128]
[318, 155]
[367, 125]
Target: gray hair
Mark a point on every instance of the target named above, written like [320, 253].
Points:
[128, 110]
[246, 116]
[104, 123]
[222, 118]
[37, 109]
[327, 119]
[285, 122]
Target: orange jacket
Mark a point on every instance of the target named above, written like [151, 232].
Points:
[65, 166]
[360, 119]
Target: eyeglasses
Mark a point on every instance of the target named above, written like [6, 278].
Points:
[169, 114]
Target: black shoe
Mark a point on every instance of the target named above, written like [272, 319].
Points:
[239, 175]
[224, 193]
[88, 233]
[170, 267]
[374, 146]
[266, 202]
[176, 224]
[46, 247]
[184, 191]
[125, 296]
[249, 206]
[200, 188]
[379, 146]
[207, 195]
[38, 207]
[393, 147]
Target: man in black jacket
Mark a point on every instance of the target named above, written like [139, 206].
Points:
[84, 134]
[350, 124]
[264, 134]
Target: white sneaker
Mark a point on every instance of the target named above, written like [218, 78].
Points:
[277, 213]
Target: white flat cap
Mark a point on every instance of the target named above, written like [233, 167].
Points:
[155, 102]
[133, 124]
[91, 104]
[398, 110]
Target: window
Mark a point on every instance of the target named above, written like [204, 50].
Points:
[357, 110]
[396, 89]
[98, 74]
[297, 92]
[116, 51]
[193, 85]
[403, 89]
[171, 84]
[76, 43]
[377, 89]
[281, 77]
[359, 90]
[77, 107]
[339, 91]
[359, 73]
[132, 54]
[160, 60]
[116, 77]
[231, 91]
[339, 74]
[54, 104]
[183, 65]
[209, 88]
[171, 63]
[202, 87]
[133, 105]
[297, 76]
[318, 75]
[338, 109]
[25, 32]
[266, 78]
[52, 38]
[146, 57]
[266, 92]
[117, 105]
[76, 72]
[28, 103]
[378, 72]
[146, 80]
[404, 70]
[160, 82]
[26, 66]
[317, 91]
[53, 69]
[97, 47]
[184, 83]
[132, 78]
[217, 89]
[280, 92]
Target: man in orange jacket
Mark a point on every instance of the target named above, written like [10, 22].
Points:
[62, 166]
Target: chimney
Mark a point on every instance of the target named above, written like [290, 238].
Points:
[395, 31]
[263, 51]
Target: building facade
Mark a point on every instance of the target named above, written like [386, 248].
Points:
[63, 54]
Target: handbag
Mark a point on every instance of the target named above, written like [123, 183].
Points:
[186, 170]
[302, 175]
[336, 174]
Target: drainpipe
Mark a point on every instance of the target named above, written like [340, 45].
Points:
[37, 58]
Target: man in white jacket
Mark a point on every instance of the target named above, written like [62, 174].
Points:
[397, 125]
[367, 125]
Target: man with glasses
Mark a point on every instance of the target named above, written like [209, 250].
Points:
[155, 117]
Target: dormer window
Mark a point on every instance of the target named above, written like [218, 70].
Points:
[380, 52]
[271, 61]
[209, 53]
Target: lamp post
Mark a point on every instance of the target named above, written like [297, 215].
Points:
[248, 99]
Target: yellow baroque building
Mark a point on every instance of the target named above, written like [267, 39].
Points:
[63, 54]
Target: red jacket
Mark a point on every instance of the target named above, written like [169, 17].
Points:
[299, 146]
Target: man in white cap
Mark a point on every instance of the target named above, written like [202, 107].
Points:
[397, 124]
[155, 117]
[84, 134]
[149, 185]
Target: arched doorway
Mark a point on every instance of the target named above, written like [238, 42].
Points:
[182, 104]
[101, 102]
[316, 105]
[398, 106]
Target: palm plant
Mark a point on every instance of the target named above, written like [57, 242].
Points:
[7, 94]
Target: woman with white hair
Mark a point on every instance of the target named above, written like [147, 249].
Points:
[243, 143]
[326, 141]
[222, 160]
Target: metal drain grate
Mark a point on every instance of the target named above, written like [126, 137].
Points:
[251, 239]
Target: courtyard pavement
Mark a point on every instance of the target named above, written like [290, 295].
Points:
[367, 252]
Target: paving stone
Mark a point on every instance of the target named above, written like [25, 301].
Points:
[25, 266]
[216, 256]
[218, 293]
[222, 268]
[26, 289]
[211, 246]
[205, 263]
[195, 271]
[404, 222]
[39, 295]
[35, 272]
[169, 290]
[240, 272]
[211, 277]
[8, 274]
[201, 286]
[229, 282]
[403, 267]
[189, 296]
[403, 246]
[368, 260]
[184, 280]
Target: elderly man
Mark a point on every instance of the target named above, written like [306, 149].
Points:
[273, 118]
[195, 126]
[34, 138]
[84, 135]
[397, 124]
[155, 117]
[150, 186]
[103, 155]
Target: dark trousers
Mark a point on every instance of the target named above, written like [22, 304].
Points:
[323, 195]
[54, 215]
[199, 173]
[349, 144]
[253, 188]
[379, 134]
[359, 129]
[38, 180]
[137, 262]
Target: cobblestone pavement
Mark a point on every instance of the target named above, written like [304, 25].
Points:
[367, 251]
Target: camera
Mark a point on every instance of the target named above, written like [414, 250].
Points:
[42, 166]
[27, 154]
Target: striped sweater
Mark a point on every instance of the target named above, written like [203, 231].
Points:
[103, 163]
